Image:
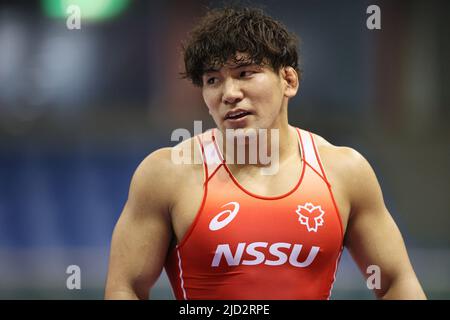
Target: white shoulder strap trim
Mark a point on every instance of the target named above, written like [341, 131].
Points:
[309, 151]
[210, 156]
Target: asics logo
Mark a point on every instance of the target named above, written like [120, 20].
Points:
[215, 224]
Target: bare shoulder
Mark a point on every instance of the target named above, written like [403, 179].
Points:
[349, 168]
[156, 165]
[151, 180]
[172, 161]
[338, 157]
[166, 168]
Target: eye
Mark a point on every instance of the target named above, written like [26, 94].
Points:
[211, 80]
[245, 73]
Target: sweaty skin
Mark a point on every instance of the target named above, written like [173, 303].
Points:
[164, 197]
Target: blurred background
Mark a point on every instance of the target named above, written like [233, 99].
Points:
[79, 110]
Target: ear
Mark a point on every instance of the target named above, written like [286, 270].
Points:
[290, 77]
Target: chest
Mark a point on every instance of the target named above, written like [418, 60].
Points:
[190, 194]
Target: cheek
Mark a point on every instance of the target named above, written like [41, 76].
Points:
[211, 103]
[270, 98]
[209, 99]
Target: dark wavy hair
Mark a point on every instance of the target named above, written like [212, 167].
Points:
[223, 32]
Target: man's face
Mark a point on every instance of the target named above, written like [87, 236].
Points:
[243, 96]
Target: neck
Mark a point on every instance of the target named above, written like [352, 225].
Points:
[257, 147]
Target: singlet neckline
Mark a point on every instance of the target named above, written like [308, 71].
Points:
[276, 197]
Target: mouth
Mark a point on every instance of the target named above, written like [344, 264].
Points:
[237, 114]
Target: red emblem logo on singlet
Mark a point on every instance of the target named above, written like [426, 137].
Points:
[311, 216]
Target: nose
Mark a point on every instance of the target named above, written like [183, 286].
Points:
[232, 92]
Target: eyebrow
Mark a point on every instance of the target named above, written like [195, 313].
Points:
[240, 65]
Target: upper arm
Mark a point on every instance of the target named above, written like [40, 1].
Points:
[372, 236]
[143, 233]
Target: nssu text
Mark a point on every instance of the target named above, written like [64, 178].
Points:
[257, 250]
